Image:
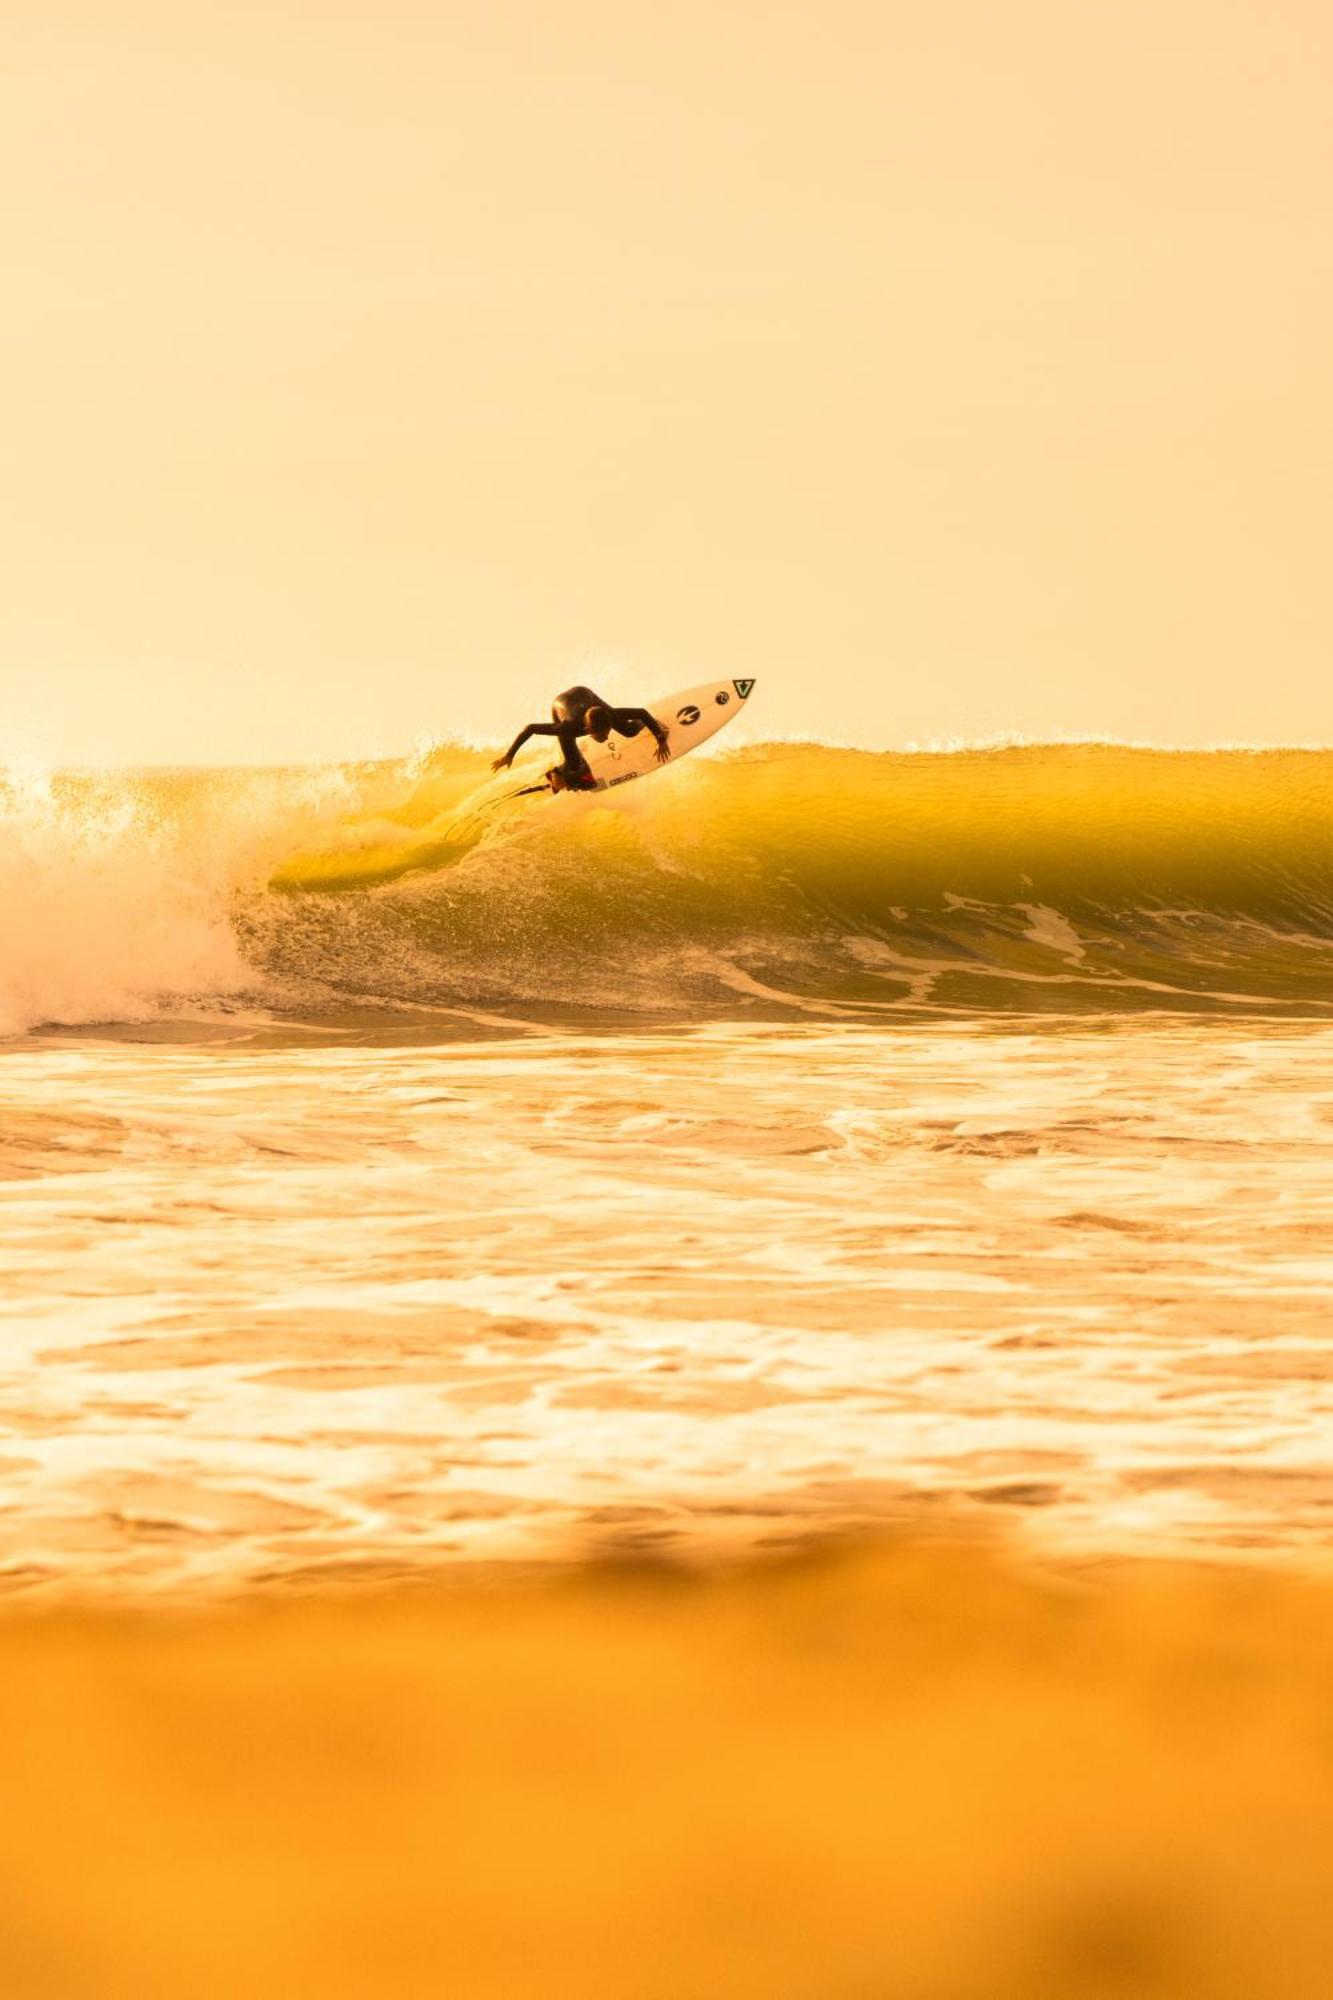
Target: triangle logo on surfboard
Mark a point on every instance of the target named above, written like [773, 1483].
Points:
[742, 688]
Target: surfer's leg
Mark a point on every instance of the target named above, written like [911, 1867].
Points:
[573, 764]
[572, 777]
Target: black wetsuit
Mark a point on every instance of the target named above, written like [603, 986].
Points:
[569, 721]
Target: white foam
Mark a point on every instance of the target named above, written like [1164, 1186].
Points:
[104, 913]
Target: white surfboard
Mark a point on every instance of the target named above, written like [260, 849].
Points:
[689, 719]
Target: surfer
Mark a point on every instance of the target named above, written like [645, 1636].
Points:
[579, 712]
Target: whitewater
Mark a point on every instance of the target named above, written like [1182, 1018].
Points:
[808, 1140]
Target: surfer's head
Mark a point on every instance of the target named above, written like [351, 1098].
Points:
[597, 722]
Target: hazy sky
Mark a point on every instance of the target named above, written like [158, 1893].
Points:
[374, 370]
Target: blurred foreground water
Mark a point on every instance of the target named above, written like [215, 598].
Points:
[912, 1773]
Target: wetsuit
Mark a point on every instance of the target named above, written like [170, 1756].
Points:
[569, 721]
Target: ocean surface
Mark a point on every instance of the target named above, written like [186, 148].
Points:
[806, 1141]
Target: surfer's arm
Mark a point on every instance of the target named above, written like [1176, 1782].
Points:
[533, 729]
[648, 721]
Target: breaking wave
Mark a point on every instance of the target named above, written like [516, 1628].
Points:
[777, 877]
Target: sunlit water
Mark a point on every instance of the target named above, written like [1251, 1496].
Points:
[280, 1310]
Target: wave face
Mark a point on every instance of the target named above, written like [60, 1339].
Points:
[1046, 878]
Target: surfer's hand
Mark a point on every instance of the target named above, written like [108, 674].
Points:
[500, 764]
[663, 751]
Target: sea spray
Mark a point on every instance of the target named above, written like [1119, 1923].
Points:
[101, 915]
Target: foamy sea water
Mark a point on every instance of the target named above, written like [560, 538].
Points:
[280, 1309]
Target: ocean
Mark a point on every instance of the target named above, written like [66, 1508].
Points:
[808, 1142]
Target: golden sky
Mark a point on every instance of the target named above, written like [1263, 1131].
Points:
[370, 371]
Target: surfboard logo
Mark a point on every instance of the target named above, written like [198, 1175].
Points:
[722, 699]
[688, 714]
[742, 688]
